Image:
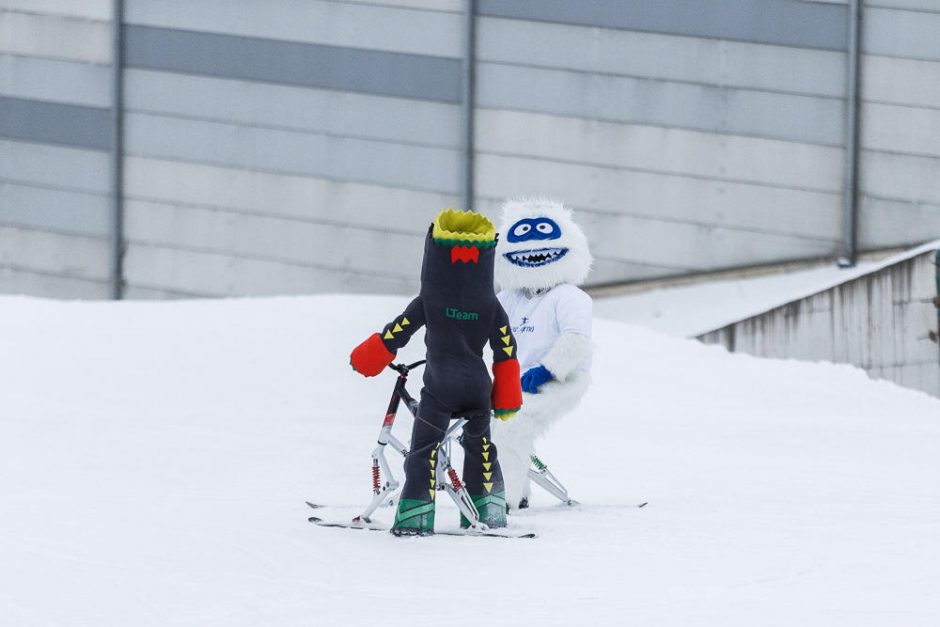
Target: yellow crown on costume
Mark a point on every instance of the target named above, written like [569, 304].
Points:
[453, 226]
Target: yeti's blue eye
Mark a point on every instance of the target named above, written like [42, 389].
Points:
[545, 228]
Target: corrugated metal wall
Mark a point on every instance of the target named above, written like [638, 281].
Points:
[883, 322]
[290, 148]
[54, 139]
[302, 145]
[693, 136]
[900, 125]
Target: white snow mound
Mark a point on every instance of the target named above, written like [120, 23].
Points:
[154, 460]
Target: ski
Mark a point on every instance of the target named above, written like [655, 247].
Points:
[356, 523]
[373, 526]
[541, 510]
[561, 506]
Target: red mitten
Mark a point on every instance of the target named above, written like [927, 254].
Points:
[371, 357]
[507, 389]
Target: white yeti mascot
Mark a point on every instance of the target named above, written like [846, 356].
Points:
[540, 258]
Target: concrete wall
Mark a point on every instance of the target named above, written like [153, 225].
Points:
[302, 145]
[55, 88]
[884, 322]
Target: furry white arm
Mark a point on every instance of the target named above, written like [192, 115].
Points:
[566, 354]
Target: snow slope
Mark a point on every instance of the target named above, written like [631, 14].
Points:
[154, 459]
[700, 307]
[703, 306]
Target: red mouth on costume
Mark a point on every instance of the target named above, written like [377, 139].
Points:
[465, 254]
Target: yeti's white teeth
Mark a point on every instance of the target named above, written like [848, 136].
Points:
[537, 257]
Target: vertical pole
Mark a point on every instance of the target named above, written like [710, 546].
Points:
[117, 149]
[936, 300]
[469, 52]
[850, 199]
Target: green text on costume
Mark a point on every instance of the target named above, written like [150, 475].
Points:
[456, 314]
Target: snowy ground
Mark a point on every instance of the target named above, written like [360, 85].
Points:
[154, 459]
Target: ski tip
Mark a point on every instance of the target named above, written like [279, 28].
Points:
[528, 534]
[345, 524]
[489, 533]
[313, 505]
[643, 504]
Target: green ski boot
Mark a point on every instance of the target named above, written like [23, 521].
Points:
[492, 510]
[414, 518]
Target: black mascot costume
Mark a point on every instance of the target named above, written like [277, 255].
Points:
[457, 304]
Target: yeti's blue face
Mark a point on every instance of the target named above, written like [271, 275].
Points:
[534, 230]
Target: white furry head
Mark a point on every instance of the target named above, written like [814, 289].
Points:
[540, 246]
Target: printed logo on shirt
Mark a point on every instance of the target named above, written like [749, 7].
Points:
[456, 314]
[523, 327]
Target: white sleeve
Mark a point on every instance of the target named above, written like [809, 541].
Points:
[573, 312]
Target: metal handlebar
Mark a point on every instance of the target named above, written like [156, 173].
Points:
[403, 368]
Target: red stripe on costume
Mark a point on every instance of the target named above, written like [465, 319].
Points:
[465, 254]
